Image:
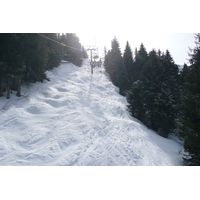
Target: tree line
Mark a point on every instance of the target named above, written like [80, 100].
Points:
[160, 95]
[24, 57]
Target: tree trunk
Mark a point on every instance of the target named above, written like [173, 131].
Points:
[18, 87]
[14, 83]
[8, 89]
[1, 89]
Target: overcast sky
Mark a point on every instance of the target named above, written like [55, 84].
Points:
[177, 43]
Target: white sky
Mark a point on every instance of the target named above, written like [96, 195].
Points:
[177, 43]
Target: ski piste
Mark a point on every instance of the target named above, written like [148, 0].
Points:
[78, 118]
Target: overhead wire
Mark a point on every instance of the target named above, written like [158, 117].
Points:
[59, 42]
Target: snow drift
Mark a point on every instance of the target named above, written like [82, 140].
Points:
[78, 118]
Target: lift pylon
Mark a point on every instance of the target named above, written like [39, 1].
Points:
[93, 61]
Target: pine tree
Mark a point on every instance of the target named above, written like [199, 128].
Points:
[183, 74]
[72, 53]
[141, 57]
[25, 57]
[152, 77]
[135, 95]
[189, 116]
[153, 98]
[11, 61]
[128, 64]
[170, 94]
[115, 67]
[135, 100]
[3, 64]
[113, 62]
[128, 59]
[124, 81]
[35, 55]
[54, 51]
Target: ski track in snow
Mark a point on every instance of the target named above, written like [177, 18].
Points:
[77, 119]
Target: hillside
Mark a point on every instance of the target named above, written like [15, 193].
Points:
[78, 119]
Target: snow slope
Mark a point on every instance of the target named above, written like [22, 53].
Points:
[77, 119]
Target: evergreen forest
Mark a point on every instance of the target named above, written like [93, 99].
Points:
[160, 94]
[24, 57]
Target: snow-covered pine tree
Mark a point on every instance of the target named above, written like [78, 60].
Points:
[26, 57]
[169, 94]
[141, 57]
[152, 79]
[11, 62]
[35, 56]
[128, 60]
[113, 62]
[73, 54]
[189, 116]
[135, 100]
[54, 51]
[116, 68]
[153, 98]
[128, 65]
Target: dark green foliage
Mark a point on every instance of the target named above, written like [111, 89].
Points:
[141, 57]
[189, 116]
[128, 65]
[114, 65]
[156, 93]
[150, 82]
[35, 56]
[11, 61]
[128, 60]
[75, 53]
[113, 62]
[162, 97]
[170, 94]
[135, 100]
[124, 81]
[3, 66]
[183, 74]
[54, 52]
[24, 57]
[151, 96]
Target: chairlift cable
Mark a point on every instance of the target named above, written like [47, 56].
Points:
[58, 42]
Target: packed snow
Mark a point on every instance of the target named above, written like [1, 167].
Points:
[78, 118]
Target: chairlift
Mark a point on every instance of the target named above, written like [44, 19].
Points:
[95, 57]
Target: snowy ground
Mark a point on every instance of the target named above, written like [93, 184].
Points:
[77, 119]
